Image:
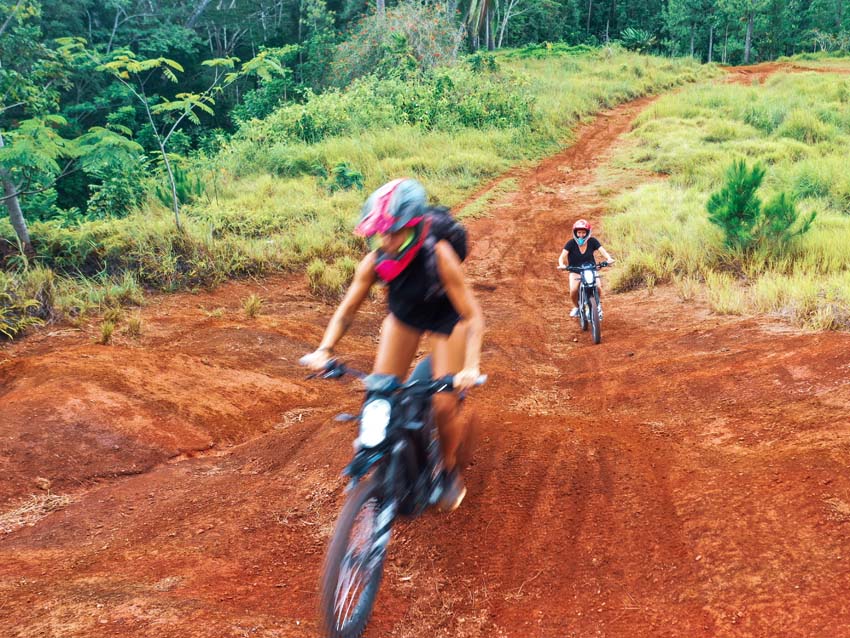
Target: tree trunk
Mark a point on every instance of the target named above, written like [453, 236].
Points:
[710, 42]
[193, 19]
[749, 38]
[589, 11]
[491, 35]
[692, 39]
[175, 201]
[504, 24]
[612, 21]
[16, 215]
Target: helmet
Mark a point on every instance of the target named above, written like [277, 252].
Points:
[581, 224]
[395, 205]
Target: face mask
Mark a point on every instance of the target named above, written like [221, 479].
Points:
[580, 240]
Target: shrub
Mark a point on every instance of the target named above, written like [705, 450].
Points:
[344, 177]
[189, 188]
[441, 99]
[107, 328]
[637, 40]
[118, 190]
[745, 222]
[17, 312]
[134, 325]
[805, 127]
[115, 196]
[252, 306]
[735, 208]
[331, 280]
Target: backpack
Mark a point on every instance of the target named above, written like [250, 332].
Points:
[443, 226]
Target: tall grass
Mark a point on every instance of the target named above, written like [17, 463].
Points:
[798, 126]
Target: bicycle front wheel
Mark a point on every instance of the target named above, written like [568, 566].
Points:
[355, 563]
[595, 324]
[583, 313]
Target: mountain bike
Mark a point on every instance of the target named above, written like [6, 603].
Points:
[589, 314]
[396, 471]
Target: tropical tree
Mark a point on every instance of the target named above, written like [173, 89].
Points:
[166, 115]
[34, 155]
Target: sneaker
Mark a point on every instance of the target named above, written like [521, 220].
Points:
[600, 311]
[574, 312]
[453, 491]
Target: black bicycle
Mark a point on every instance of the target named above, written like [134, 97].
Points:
[589, 314]
[396, 470]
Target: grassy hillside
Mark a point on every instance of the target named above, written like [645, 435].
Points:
[798, 127]
[284, 192]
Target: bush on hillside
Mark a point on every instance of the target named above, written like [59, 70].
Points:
[26, 300]
[747, 224]
[440, 99]
[638, 40]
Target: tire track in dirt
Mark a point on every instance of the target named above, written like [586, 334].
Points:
[685, 478]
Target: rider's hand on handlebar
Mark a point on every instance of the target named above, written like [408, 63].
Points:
[316, 360]
[560, 267]
[466, 378]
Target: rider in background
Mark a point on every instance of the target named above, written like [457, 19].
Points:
[580, 251]
[396, 220]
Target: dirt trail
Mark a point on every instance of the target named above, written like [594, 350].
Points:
[687, 477]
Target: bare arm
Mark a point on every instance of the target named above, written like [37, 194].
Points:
[562, 259]
[605, 254]
[342, 319]
[339, 324]
[448, 267]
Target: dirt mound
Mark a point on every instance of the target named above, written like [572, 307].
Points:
[687, 477]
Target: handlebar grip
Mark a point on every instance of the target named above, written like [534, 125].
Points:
[481, 380]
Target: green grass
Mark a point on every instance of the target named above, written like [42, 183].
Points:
[480, 206]
[252, 305]
[267, 206]
[798, 127]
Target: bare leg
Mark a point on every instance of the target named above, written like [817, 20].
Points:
[448, 357]
[397, 348]
[575, 280]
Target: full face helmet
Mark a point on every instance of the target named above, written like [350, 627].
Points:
[581, 224]
[394, 206]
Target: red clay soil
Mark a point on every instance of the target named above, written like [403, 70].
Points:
[687, 477]
[760, 72]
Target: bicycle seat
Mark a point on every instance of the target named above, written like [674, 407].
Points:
[422, 373]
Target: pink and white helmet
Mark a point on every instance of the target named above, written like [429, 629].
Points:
[395, 205]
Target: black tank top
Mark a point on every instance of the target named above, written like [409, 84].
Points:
[413, 302]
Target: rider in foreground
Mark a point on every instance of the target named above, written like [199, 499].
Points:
[579, 251]
[421, 299]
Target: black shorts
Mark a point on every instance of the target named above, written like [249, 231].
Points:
[442, 324]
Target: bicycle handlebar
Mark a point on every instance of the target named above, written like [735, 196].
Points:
[578, 269]
[335, 369]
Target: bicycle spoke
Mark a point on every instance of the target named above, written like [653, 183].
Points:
[356, 566]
